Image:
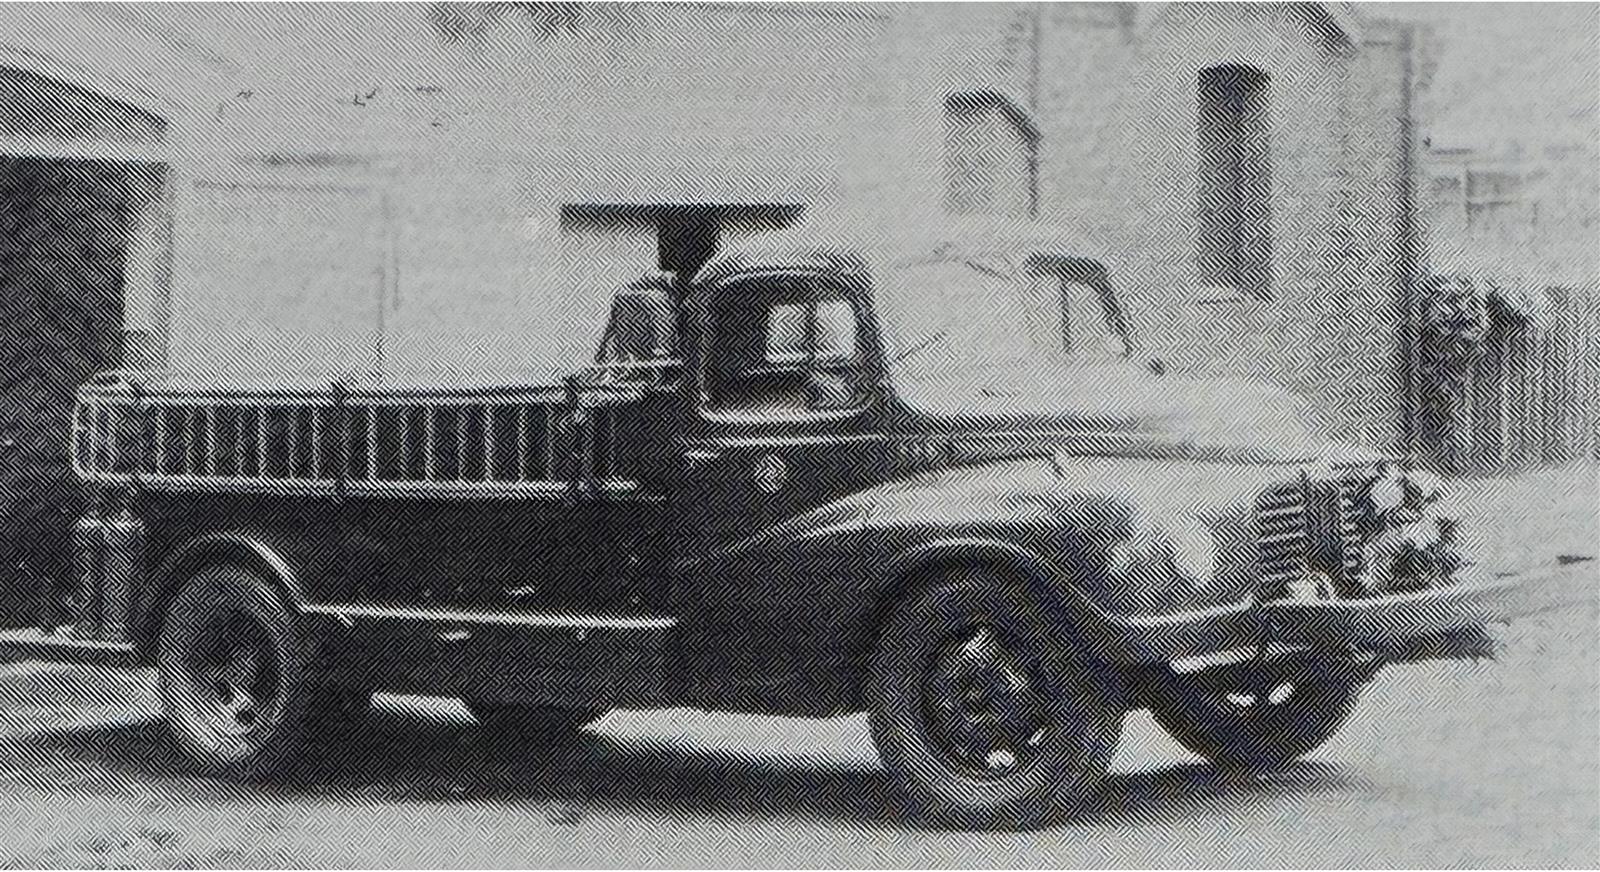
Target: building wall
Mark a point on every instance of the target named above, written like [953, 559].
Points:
[476, 155]
[1510, 124]
[1117, 112]
[478, 151]
[828, 107]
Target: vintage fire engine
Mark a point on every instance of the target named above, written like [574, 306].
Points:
[924, 475]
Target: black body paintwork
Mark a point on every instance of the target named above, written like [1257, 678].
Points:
[776, 592]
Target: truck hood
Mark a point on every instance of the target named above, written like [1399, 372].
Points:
[1116, 410]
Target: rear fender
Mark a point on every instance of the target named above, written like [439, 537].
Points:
[247, 549]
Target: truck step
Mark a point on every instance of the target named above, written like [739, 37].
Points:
[32, 643]
[506, 618]
[565, 658]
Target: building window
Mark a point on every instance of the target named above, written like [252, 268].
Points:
[1235, 181]
[991, 156]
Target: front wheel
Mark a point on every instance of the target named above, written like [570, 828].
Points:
[1257, 716]
[981, 713]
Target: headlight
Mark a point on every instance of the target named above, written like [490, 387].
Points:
[1389, 492]
[1194, 551]
[1179, 541]
[1398, 488]
[1428, 485]
[1418, 539]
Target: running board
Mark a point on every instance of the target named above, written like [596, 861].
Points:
[60, 646]
[571, 659]
[349, 613]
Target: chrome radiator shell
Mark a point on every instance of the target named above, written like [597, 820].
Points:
[1311, 526]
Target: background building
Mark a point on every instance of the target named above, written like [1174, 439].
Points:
[321, 190]
[403, 203]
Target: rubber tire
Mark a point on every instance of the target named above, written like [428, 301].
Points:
[1320, 705]
[204, 599]
[1070, 768]
[547, 722]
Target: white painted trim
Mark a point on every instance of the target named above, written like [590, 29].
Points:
[507, 619]
[361, 487]
[787, 441]
[1187, 665]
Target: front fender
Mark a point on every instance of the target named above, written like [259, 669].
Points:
[1063, 594]
[801, 604]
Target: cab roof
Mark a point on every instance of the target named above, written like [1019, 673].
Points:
[853, 244]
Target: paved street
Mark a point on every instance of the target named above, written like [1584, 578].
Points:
[1444, 764]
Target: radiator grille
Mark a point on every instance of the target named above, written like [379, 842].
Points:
[1281, 537]
[1311, 525]
[1350, 529]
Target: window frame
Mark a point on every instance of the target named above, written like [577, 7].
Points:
[965, 112]
[858, 363]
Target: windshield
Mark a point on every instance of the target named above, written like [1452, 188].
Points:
[984, 314]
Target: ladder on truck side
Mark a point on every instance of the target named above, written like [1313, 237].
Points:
[498, 443]
[131, 432]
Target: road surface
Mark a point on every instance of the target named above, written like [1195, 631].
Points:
[1444, 764]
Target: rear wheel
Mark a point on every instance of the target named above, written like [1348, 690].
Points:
[1257, 716]
[981, 713]
[236, 683]
[533, 721]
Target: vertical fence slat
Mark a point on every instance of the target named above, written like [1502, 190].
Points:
[1572, 392]
[1532, 397]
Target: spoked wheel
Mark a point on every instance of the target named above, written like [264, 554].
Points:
[548, 723]
[235, 681]
[980, 716]
[1261, 715]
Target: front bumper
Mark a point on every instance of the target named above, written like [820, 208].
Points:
[1385, 625]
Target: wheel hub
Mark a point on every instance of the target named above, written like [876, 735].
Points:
[1256, 691]
[235, 685]
[984, 707]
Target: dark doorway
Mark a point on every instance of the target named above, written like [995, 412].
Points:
[63, 239]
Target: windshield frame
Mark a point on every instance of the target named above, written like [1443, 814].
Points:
[1091, 274]
[1019, 272]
